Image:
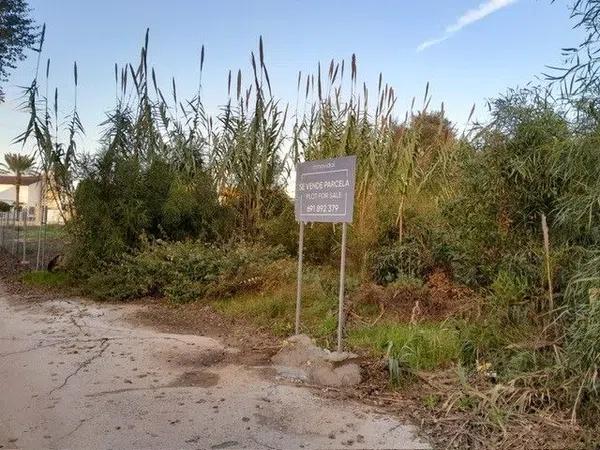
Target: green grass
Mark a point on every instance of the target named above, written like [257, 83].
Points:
[276, 311]
[263, 310]
[420, 347]
[423, 346]
[275, 307]
[46, 279]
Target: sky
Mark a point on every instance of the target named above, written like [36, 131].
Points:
[468, 50]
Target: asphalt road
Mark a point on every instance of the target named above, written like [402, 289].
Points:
[76, 374]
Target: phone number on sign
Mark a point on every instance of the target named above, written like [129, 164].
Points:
[322, 209]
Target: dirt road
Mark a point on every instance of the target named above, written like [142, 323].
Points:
[76, 374]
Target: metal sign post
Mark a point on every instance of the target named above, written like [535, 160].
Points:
[341, 295]
[325, 193]
[299, 281]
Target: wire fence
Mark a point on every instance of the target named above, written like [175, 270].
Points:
[27, 235]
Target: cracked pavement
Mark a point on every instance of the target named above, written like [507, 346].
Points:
[76, 374]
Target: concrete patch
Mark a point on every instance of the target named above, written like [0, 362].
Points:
[301, 359]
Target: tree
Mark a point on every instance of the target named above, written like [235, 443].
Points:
[19, 165]
[578, 74]
[17, 33]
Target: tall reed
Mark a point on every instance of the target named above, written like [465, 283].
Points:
[249, 145]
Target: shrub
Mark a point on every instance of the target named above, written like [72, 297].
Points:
[393, 262]
[582, 354]
[119, 282]
[191, 210]
[510, 294]
[157, 269]
[122, 202]
[249, 267]
[186, 271]
[320, 243]
[281, 230]
[278, 227]
[511, 350]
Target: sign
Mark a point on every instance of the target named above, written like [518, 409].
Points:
[325, 190]
[325, 193]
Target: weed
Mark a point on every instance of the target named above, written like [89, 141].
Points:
[46, 279]
[399, 262]
[432, 401]
[275, 308]
[417, 347]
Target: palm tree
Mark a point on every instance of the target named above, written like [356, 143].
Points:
[19, 165]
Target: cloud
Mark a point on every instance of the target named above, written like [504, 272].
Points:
[469, 17]
[431, 42]
[475, 14]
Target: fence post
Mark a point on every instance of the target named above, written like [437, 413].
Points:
[6, 220]
[44, 235]
[24, 212]
[14, 245]
[2, 222]
[39, 237]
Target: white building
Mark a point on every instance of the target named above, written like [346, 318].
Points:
[31, 194]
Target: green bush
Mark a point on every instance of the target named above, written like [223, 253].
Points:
[406, 259]
[509, 349]
[278, 227]
[121, 202]
[248, 267]
[157, 269]
[185, 271]
[510, 294]
[191, 210]
[320, 243]
[4, 207]
[281, 231]
[582, 354]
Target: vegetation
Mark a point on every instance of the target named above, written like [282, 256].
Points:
[426, 347]
[44, 279]
[474, 251]
[19, 165]
[17, 33]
